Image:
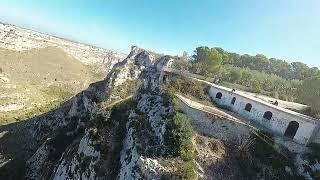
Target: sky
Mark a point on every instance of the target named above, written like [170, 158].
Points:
[284, 29]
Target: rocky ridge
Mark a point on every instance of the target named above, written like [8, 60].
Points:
[64, 140]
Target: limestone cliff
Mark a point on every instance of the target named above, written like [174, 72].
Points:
[73, 139]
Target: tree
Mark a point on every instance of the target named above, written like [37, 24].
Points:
[235, 76]
[208, 60]
[246, 77]
[182, 64]
[233, 57]
[256, 87]
[309, 93]
[299, 70]
[224, 54]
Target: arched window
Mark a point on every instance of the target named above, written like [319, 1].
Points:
[233, 100]
[291, 129]
[267, 115]
[248, 107]
[219, 95]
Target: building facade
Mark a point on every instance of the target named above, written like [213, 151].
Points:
[279, 121]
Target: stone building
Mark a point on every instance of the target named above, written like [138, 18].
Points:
[279, 121]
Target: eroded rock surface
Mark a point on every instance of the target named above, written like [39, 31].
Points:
[63, 145]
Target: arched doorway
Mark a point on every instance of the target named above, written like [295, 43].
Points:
[267, 115]
[233, 100]
[219, 95]
[291, 129]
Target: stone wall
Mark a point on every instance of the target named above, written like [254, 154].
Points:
[279, 121]
[316, 139]
[227, 130]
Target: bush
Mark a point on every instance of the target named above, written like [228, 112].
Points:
[187, 171]
[180, 138]
[179, 134]
[169, 98]
[261, 160]
[194, 88]
[180, 144]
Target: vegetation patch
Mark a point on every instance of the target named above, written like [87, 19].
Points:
[293, 81]
[259, 160]
[30, 113]
[126, 89]
[193, 88]
[179, 136]
[109, 133]
[57, 92]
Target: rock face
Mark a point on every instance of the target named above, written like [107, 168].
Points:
[85, 150]
[67, 143]
[19, 39]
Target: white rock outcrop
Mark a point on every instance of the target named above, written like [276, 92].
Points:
[64, 124]
[82, 164]
[134, 165]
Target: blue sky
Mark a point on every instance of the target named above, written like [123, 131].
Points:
[285, 29]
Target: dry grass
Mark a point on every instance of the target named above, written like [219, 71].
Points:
[39, 77]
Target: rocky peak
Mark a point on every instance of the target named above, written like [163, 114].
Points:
[59, 135]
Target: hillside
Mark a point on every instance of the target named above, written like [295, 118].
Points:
[133, 124]
[35, 78]
[38, 71]
[20, 39]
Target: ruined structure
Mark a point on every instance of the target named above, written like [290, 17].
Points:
[279, 121]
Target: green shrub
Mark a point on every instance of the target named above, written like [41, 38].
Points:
[191, 87]
[180, 144]
[169, 98]
[187, 171]
[181, 134]
[260, 159]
